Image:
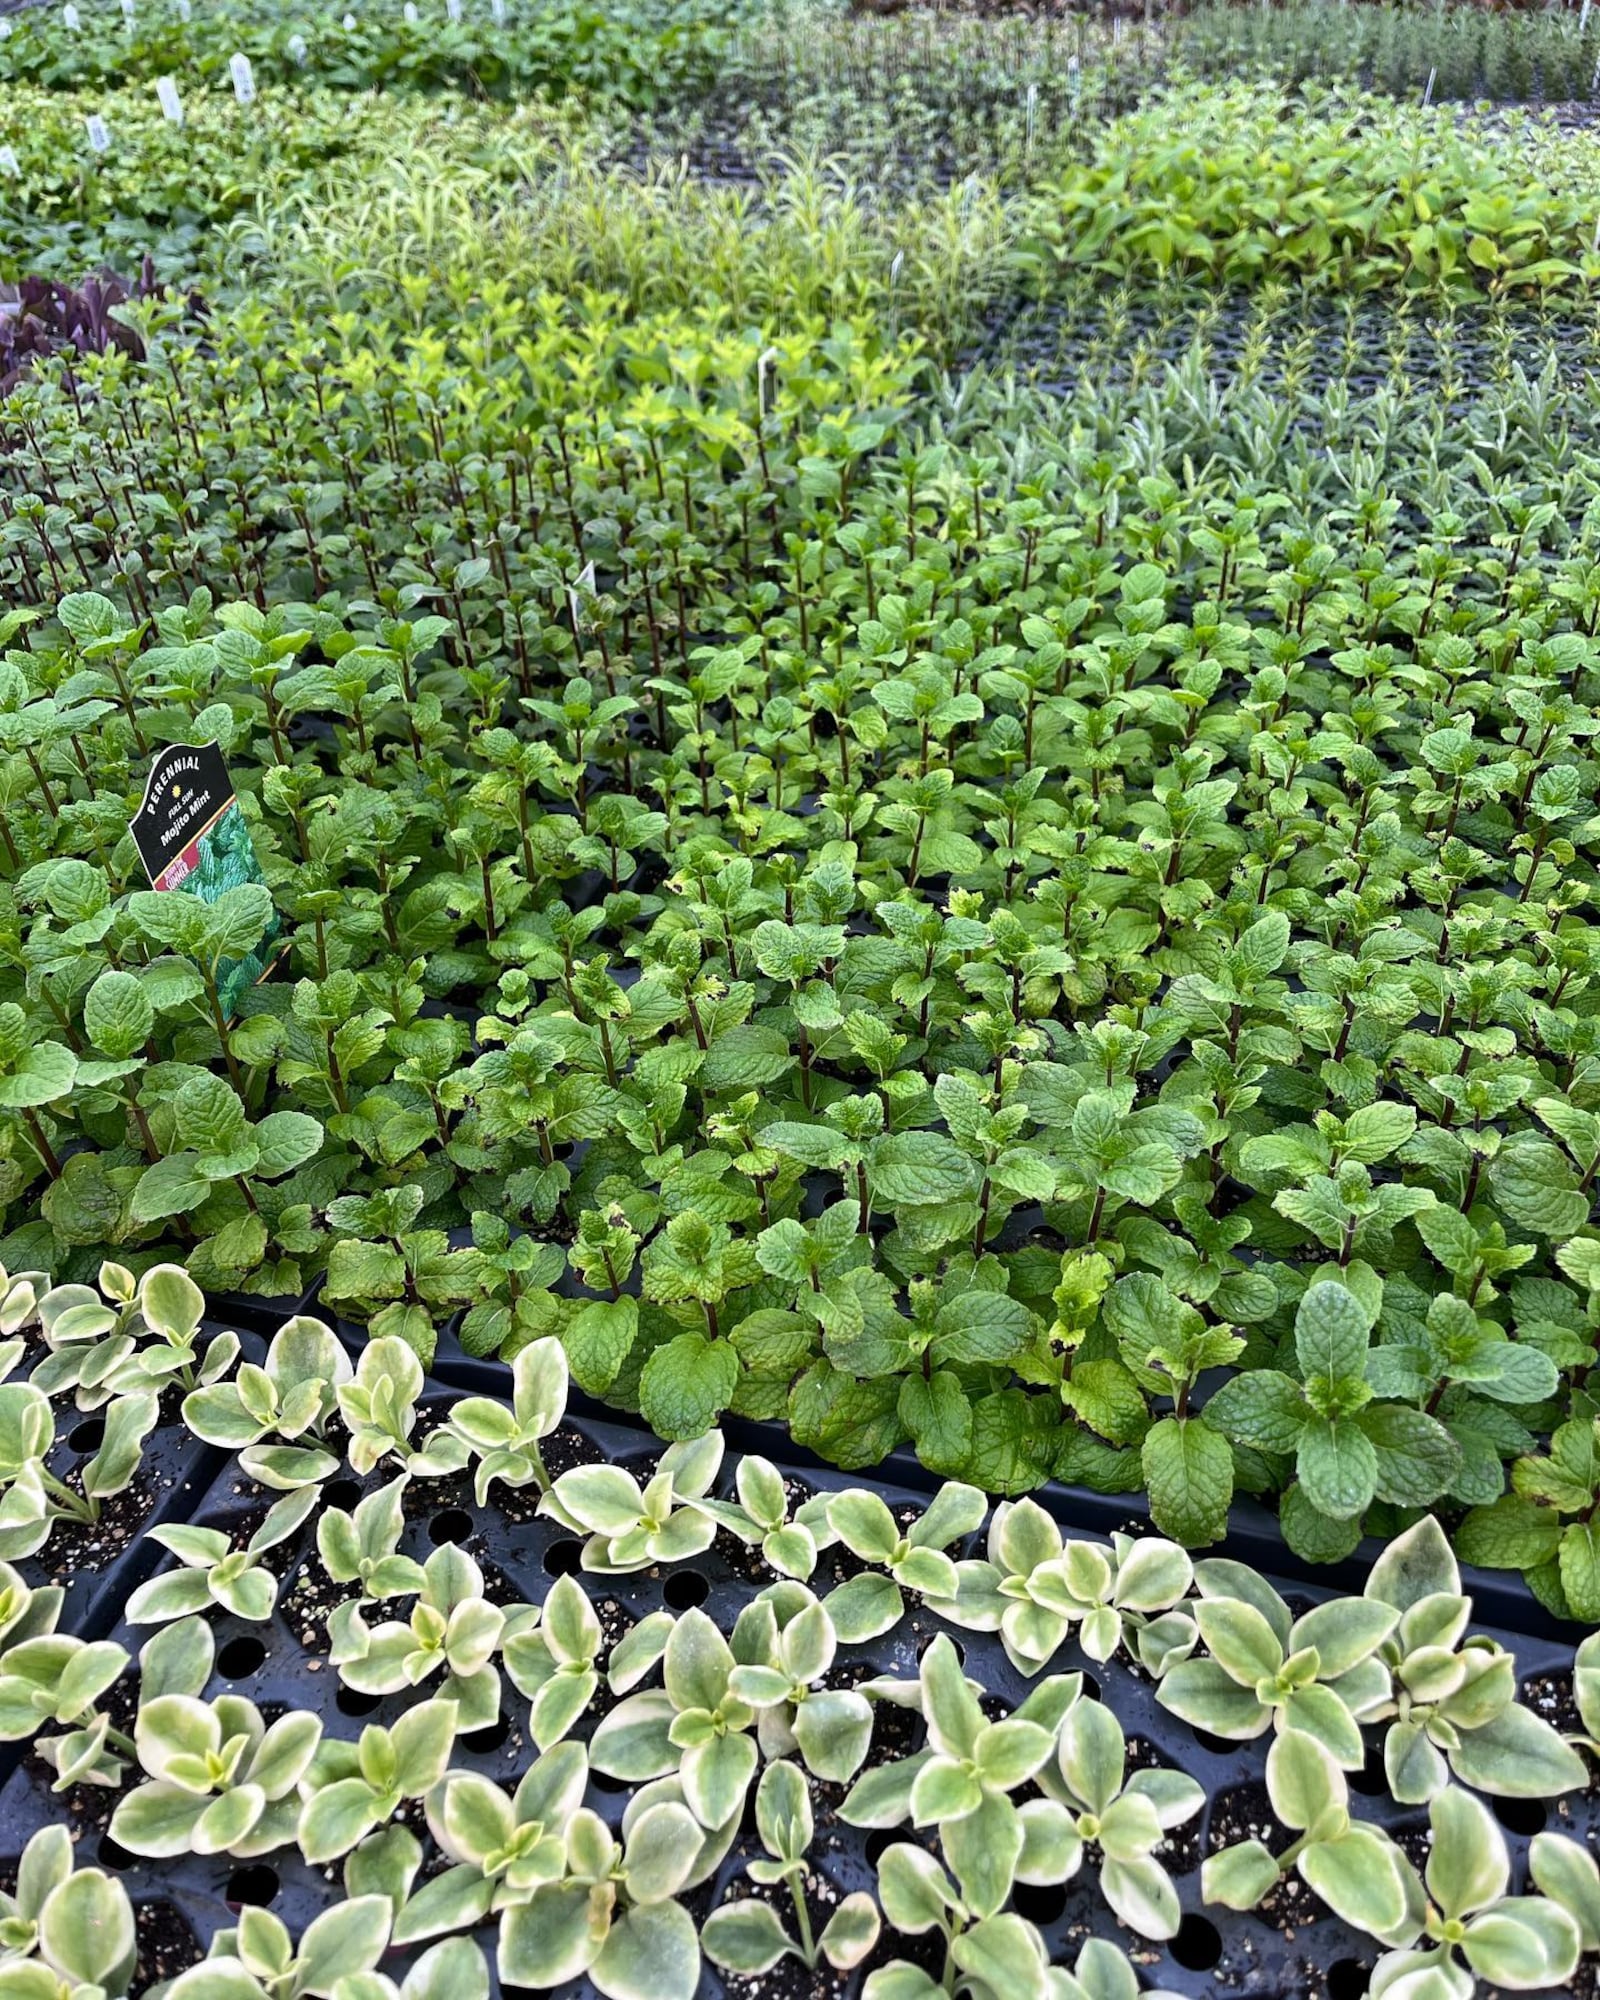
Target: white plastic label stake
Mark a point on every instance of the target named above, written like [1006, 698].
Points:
[453, 9]
[185, 11]
[767, 357]
[99, 132]
[297, 48]
[128, 12]
[171, 103]
[585, 582]
[497, 12]
[9, 163]
[349, 24]
[71, 18]
[409, 11]
[244, 78]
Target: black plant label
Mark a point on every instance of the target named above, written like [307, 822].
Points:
[193, 838]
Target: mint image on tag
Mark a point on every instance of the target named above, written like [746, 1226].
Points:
[193, 839]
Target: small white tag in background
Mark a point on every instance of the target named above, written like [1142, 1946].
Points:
[99, 132]
[171, 103]
[297, 48]
[497, 12]
[129, 13]
[9, 163]
[244, 78]
[71, 18]
[349, 24]
[453, 9]
[585, 582]
[409, 11]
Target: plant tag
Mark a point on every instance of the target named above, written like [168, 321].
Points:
[128, 13]
[244, 78]
[99, 132]
[185, 11]
[296, 46]
[192, 837]
[9, 163]
[71, 18]
[171, 103]
[409, 13]
[349, 24]
[585, 582]
[453, 9]
[497, 12]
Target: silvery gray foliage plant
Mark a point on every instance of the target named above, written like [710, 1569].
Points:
[760, 1516]
[702, 1721]
[64, 1929]
[1452, 1709]
[453, 1630]
[868, 1605]
[750, 1937]
[129, 1335]
[629, 1527]
[505, 1440]
[784, 1645]
[275, 1415]
[1037, 1589]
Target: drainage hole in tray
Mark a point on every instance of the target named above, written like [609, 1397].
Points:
[879, 1843]
[1219, 1746]
[563, 1559]
[1348, 1979]
[87, 1436]
[1198, 1945]
[351, 1701]
[1520, 1815]
[490, 1736]
[240, 1657]
[1371, 1781]
[604, 1782]
[341, 1493]
[684, 1589]
[112, 1854]
[927, 1640]
[453, 1525]
[256, 1883]
[1039, 1905]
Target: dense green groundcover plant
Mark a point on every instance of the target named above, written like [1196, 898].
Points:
[638, 53]
[1058, 934]
[1091, 980]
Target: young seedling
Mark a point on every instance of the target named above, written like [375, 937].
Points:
[749, 1937]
